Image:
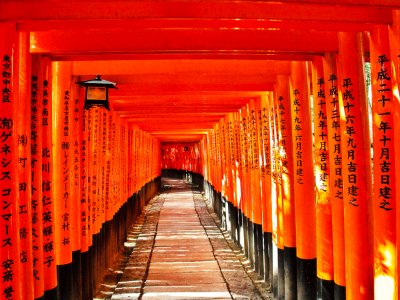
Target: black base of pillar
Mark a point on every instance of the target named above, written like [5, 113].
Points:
[219, 203]
[250, 229]
[290, 264]
[65, 278]
[268, 258]
[50, 294]
[281, 274]
[259, 253]
[223, 213]
[240, 228]
[77, 275]
[306, 279]
[246, 235]
[233, 215]
[275, 270]
[325, 289]
[339, 292]
[87, 292]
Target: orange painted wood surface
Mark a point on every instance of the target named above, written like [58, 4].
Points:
[303, 161]
[355, 166]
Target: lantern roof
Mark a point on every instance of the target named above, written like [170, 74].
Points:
[98, 82]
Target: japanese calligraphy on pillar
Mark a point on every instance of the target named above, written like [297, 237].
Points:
[304, 182]
[84, 183]
[102, 167]
[95, 209]
[335, 167]
[385, 109]
[284, 127]
[350, 133]
[244, 160]
[232, 158]
[383, 134]
[238, 160]
[66, 162]
[266, 149]
[322, 174]
[9, 263]
[47, 186]
[322, 138]
[277, 238]
[266, 137]
[254, 138]
[24, 175]
[335, 137]
[298, 138]
[255, 163]
[75, 132]
[283, 137]
[108, 168]
[36, 203]
[356, 162]
[224, 181]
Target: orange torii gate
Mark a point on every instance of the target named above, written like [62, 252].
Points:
[295, 146]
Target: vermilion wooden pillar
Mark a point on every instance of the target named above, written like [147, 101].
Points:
[322, 183]
[10, 285]
[304, 180]
[255, 184]
[278, 284]
[239, 175]
[48, 200]
[245, 177]
[335, 167]
[62, 160]
[22, 96]
[356, 168]
[385, 181]
[266, 181]
[395, 52]
[231, 148]
[222, 139]
[286, 158]
[37, 193]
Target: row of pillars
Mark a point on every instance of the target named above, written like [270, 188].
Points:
[306, 178]
[71, 181]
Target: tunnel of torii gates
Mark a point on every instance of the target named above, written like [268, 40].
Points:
[286, 113]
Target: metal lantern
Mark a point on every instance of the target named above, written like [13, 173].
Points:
[97, 92]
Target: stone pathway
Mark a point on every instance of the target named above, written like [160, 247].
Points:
[179, 252]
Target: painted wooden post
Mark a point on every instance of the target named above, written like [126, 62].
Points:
[336, 178]
[395, 52]
[356, 168]
[48, 200]
[256, 184]
[286, 161]
[278, 284]
[62, 161]
[384, 158]
[36, 165]
[10, 286]
[304, 180]
[266, 178]
[24, 170]
[245, 178]
[322, 180]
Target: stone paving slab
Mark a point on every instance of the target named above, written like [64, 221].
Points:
[212, 287]
[179, 252]
[197, 266]
[188, 295]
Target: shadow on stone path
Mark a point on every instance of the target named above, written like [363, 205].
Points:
[177, 251]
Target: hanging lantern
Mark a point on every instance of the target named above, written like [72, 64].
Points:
[97, 92]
